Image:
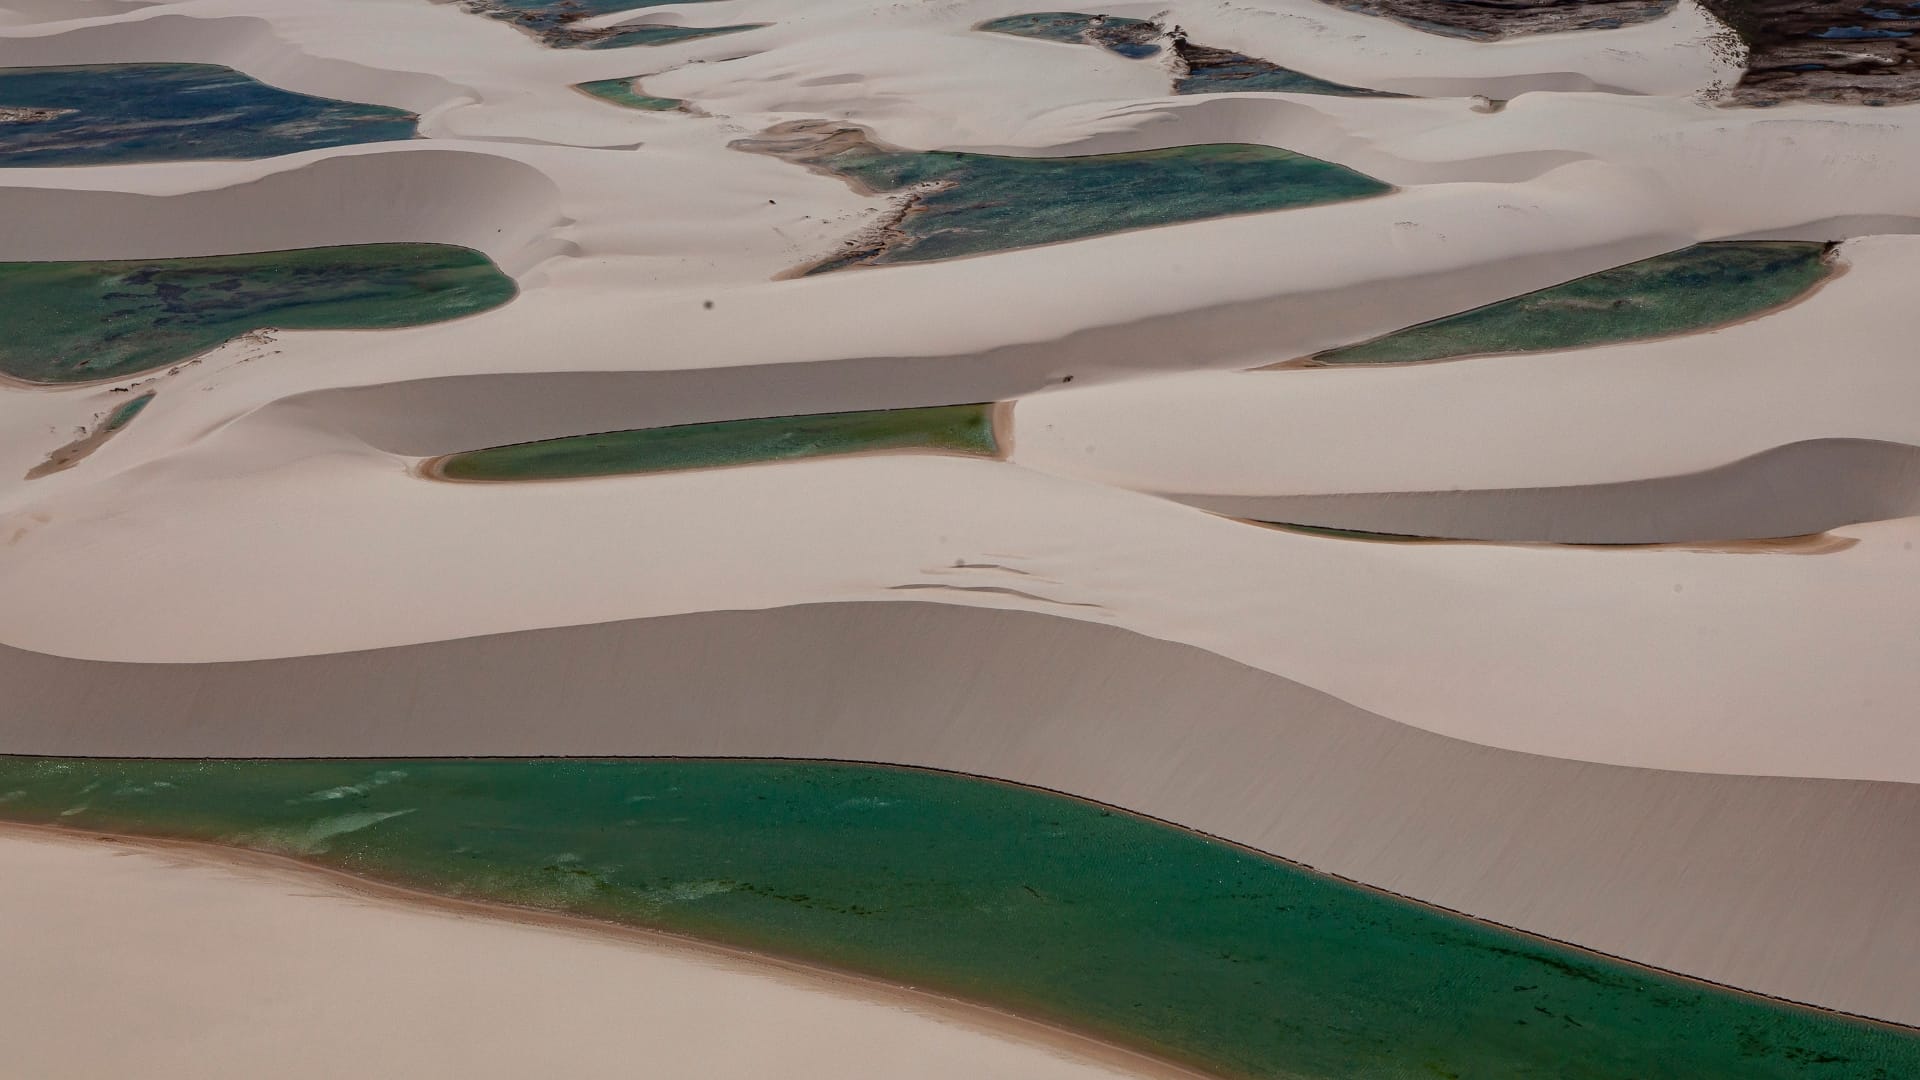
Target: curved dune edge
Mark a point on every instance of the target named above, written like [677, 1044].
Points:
[140, 905]
[1799, 489]
[1679, 871]
[377, 193]
[246, 43]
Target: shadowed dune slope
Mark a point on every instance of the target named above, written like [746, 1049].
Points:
[1679, 870]
[384, 195]
[1793, 490]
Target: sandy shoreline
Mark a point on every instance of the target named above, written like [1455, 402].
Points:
[1635, 863]
[309, 878]
[1699, 762]
[971, 1013]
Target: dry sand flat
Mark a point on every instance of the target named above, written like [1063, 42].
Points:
[164, 961]
[266, 506]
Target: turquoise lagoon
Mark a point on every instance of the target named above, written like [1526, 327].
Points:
[85, 321]
[120, 113]
[969, 204]
[1692, 289]
[1065, 910]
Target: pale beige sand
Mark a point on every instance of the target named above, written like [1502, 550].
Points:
[136, 959]
[265, 506]
[1683, 871]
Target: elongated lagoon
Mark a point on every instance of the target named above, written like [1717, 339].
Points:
[1053, 907]
[121, 113]
[957, 204]
[1695, 288]
[84, 321]
[960, 429]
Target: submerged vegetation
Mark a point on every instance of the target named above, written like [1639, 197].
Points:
[1046, 905]
[961, 429]
[1695, 288]
[84, 321]
[120, 113]
[958, 204]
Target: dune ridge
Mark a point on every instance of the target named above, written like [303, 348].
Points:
[1670, 869]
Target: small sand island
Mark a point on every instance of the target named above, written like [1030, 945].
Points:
[119, 113]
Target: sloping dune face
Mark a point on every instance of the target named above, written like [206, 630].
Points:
[1465, 451]
[1555, 846]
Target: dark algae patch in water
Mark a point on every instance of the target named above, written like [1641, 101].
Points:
[967, 204]
[1198, 68]
[627, 92]
[962, 429]
[557, 23]
[1695, 288]
[1052, 907]
[82, 321]
[120, 113]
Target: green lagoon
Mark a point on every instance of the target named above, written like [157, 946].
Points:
[85, 321]
[970, 204]
[961, 429]
[1695, 288]
[1053, 907]
[108, 114]
[627, 92]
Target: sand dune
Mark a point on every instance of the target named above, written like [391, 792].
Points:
[242, 42]
[254, 566]
[375, 195]
[1672, 869]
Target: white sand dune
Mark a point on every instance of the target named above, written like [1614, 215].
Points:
[423, 194]
[1672, 869]
[1701, 760]
[190, 967]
